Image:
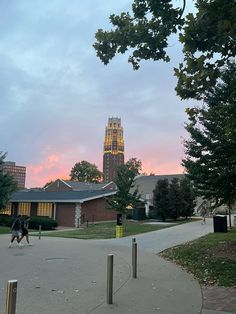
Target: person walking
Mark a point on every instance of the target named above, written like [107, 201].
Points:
[15, 231]
[203, 213]
[25, 232]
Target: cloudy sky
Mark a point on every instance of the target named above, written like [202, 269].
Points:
[56, 95]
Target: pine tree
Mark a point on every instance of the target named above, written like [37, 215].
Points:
[175, 199]
[161, 199]
[187, 198]
[211, 150]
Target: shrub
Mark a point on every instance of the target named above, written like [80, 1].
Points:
[6, 220]
[34, 223]
[45, 222]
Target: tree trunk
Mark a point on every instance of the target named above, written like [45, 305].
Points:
[230, 225]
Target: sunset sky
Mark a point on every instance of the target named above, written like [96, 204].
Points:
[56, 95]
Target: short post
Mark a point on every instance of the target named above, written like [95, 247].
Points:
[87, 223]
[134, 259]
[133, 240]
[40, 229]
[11, 297]
[109, 278]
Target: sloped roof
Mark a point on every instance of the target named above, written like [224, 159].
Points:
[82, 186]
[59, 196]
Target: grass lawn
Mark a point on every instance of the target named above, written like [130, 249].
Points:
[105, 230]
[4, 230]
[212, 258]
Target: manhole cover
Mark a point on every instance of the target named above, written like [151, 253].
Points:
[54, 259]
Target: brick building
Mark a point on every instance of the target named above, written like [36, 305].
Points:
[17, 172]
[68, 208]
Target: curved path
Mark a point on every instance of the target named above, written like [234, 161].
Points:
[68, 276]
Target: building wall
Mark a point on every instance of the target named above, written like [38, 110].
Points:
[65, 214]
[110, 162]
[96, 210]
[17, 172]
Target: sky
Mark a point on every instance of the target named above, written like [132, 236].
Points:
[57, 96]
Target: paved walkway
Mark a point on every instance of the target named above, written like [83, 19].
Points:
[68, 276]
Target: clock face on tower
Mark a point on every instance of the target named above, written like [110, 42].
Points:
[113, 153]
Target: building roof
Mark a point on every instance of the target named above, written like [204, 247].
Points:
[60, 184]
[59, 196]
[146, 184]
[82, 186]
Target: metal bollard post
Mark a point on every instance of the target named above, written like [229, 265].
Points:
[134, 259]
[109, 278]
[87, 223]
[40, 228]
[133, 240]
[11, 297]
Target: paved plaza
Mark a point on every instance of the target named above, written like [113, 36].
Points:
[68, 276]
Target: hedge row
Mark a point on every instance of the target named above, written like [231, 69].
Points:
[34, 223]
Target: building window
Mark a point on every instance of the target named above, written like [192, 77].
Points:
[44, 209]
[6, 210]
[24, 209]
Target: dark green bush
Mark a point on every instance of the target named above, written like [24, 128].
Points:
[45, 222]
[6, 220]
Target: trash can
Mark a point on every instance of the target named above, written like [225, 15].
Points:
[119, 219]
[220, 223]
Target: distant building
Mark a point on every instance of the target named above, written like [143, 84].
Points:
[113, 153]
[146, 185]
[17, 172]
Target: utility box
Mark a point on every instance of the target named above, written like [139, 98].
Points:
[220, 223]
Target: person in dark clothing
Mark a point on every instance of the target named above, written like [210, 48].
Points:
[25, 232]
[16, 231]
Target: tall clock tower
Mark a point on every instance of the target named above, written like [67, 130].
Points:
[113, 153]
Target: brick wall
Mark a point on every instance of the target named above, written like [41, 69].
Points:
[96, 209]
[65, 214]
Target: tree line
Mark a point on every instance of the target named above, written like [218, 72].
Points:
[174, 199]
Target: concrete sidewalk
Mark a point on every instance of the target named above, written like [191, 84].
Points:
[69, 276]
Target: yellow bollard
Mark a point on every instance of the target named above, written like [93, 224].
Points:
[119, 231]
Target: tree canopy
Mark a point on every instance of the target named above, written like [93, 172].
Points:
[125, 200]
[207, 34]
[84, 171]
[211, 149]
[173, 199]
[135, 165]
[7, 184]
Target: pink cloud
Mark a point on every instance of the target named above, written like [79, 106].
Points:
[53, 166]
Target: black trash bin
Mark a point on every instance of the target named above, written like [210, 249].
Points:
[220, 223]
[119, 219]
